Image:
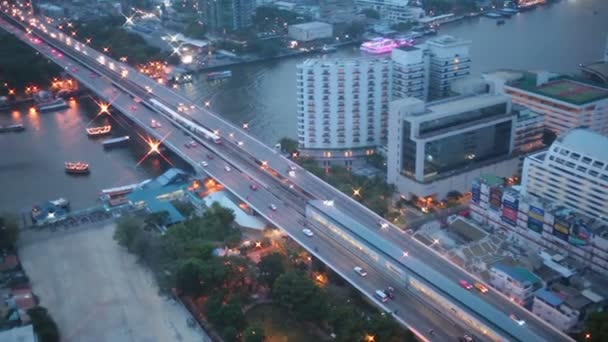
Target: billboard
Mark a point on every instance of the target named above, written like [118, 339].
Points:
[580, 234]
[535, 225]
[562, 226]
[509, 215]
[495, 197]
[476, 192]
[560, 234]
[536, 214]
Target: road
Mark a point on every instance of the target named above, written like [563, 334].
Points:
[242, 151]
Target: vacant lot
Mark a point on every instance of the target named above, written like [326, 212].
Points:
[97, 292]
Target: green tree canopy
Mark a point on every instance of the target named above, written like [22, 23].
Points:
[288, 145]
[44, 325]
[126, 231]
[253, 333]
[271, 267]
[9, 231]
[596, 328]
[370, 13]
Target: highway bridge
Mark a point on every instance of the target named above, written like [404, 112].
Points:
[428, 299]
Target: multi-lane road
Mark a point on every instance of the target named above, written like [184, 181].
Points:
[243, 152]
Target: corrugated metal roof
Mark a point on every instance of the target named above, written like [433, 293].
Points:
[520, 274]
[471, 303]
[549, 297]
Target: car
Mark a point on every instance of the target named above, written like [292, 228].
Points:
[133, 108]
[516, 319]
[210, 156]
[227, 168]
[272, 207]
[253, 187]
[381, 295]
[465, 338]
[383, 224]
[193, 143]
[465, 284]
[481, 287]
[390, 292]
[204, 163]
[308, 232]
[360, 271]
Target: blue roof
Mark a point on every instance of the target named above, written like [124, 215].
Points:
[520, 274]
[150, 194]
[549, 297]
[174, 215]
[470, 302]
[171, 176]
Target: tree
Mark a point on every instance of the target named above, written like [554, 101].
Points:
[253, 333]
[188, 277]
[288, 145]
[403, 26]
[355, 29]
[127, 229]
[377, 160]
[596, 327]
[44, 325]
[185, 208]
[9, 232]
[195, 30]
[548, 137]
[271, 267]
[158, 219]
[370, 13]
[299, 293]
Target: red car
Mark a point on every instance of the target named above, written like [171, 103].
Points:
[465, 285]
[253, 187]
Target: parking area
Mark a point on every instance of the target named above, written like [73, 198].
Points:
[96, 291]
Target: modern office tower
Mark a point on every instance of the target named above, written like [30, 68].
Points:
[342, 108]
[228, 14]
[441, 146]
[557, 232]
[410, 72]
[392, 11]
[565, 102]
[450, 60]
[573, 172]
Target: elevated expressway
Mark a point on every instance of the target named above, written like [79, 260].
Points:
[428, 299]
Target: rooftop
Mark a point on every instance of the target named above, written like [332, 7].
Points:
[549, 297]
[562, 88]
[446, 40]
[311, 25]
[597, 69]
[520, 274]
[491, 179]
[586, 142]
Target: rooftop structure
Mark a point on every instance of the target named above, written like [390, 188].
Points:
[598, 70]
[565, 102]
[310, 31]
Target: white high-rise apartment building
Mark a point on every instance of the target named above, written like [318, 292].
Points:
[342, 108]
[564, 101]
[450, 60]
[573, 173]
[427, 71]
[410, 73]
[393, 11]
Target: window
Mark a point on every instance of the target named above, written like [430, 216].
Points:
[586, 160]
[598, 164]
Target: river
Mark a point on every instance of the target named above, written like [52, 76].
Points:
[556, 38]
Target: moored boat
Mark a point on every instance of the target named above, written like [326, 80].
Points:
[55, 104]
[101, 130]
[76, 167]
[12, 128]
[218, 75]
[385, 45]
[116, 142]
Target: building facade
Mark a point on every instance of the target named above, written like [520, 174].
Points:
[529, 128]
[515, 282]
[311, 31]
[392, 11]
[228, 15]
[542, 224]
[450, 60]
[573, 172]
[552, 308]
[410, 73]
[441, 146]
[342, 108]
[565, 102]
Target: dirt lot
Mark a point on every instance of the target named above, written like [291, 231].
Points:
[97, 292]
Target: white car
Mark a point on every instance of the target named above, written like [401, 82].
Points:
[273, 207]
[382, 224]
[204, 163]
[517, 320]
[227, 168]
[360, 271]
[308, 232]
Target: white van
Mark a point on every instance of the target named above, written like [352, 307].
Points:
[381, 295]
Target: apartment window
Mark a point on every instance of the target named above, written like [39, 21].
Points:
[593, 173]
[575, 156]
[581, 169]
[598, 164]
[586, 160]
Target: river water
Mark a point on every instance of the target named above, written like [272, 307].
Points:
[555, 38]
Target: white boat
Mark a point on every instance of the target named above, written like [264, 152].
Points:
[385, 45]
[56, 104]
[123, 190]
[217, 75]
